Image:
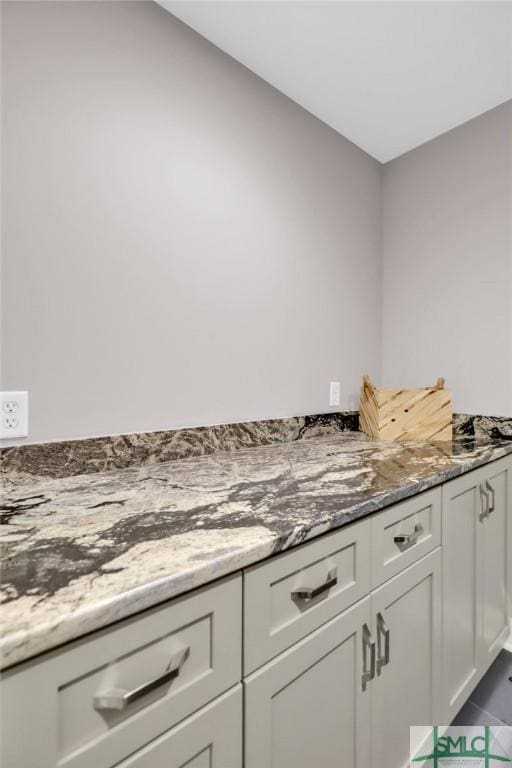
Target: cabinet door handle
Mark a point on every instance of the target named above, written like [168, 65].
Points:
[493, 496]
[309, 593]
[382, 632]
[118, 698]
[408, 539]
[368, 644]
[484, 496]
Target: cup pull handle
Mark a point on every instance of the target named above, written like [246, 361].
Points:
[118, 698]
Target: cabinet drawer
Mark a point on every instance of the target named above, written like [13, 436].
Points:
[166, 663]
[211, 738]
[404, 533]
[289, 596]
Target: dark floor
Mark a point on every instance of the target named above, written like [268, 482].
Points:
[491, 701]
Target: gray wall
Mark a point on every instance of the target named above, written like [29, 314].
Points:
[447, 264]
[182, 244]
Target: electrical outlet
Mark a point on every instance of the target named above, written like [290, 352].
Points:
[13, 414]
[334, 393]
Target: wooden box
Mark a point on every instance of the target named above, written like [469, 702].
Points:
[406, 414]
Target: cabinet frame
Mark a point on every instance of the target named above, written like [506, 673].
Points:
[470, 483]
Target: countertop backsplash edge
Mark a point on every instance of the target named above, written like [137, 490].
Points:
[101, 454]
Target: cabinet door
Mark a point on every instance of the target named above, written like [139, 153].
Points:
[50, 716]
[493, 533]
[406, 615]
[212, 738]
[307, 707]
[461, 600]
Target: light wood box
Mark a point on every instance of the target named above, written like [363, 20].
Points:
[406, 414]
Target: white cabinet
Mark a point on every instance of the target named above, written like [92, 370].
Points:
[211, 738]
[476, 567]
[335, 674]
[102, 698]
[406, 623]
[497, 486]
[313, 706]
[403, 533]
[308, 707]
[461, 504]
[293, 594]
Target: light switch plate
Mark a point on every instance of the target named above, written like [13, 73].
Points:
[13, 414]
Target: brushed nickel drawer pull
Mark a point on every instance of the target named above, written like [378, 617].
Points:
[408, 539]
[368, 674]
[484, 495]
[382, 631]
[118, 698]
[309, 593]
[493, 496]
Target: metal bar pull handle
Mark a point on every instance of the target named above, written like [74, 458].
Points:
[493, 496]
[408, 539]
[382, 633]
[368, 645]
[118, 698]
[484, 496]
[309, 593]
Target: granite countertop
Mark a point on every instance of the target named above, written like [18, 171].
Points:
[81, 552]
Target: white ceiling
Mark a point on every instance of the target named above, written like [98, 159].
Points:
[387, 75]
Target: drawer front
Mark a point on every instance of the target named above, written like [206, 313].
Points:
[404, 533]
[289, 596]
[103, 698]
[211, 738]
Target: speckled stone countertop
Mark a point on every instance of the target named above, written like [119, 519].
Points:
[81, 552]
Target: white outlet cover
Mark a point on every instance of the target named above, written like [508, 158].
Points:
[334, 393]
[13, 414]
